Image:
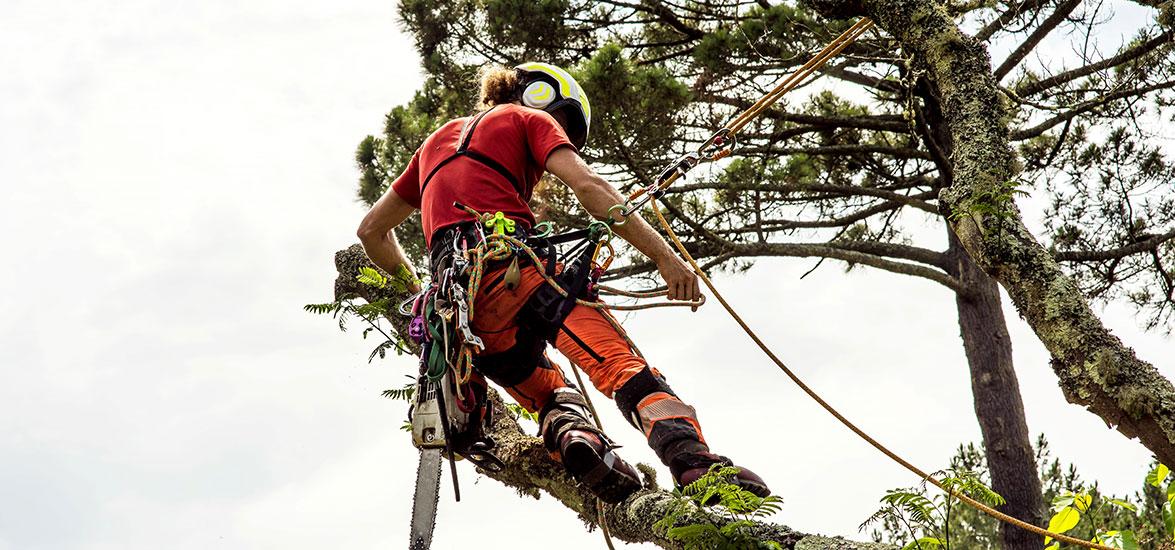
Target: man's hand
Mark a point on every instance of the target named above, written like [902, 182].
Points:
[679, 278]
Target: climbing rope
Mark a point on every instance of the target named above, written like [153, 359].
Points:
[719, 146]
[853, 427]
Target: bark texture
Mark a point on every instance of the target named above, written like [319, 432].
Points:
[998, 404]
[531, 471]
[1094, 367]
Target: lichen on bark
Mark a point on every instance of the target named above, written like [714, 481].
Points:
[1094, 367]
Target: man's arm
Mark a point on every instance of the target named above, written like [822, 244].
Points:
[598, 196]
[379, 240]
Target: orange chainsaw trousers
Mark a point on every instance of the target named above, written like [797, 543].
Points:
[587, 338]
[515, 358]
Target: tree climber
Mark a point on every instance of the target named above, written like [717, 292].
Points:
[535, 117]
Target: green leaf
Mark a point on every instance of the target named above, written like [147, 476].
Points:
[1063, 500]
[1169, 520]
[691, 532]
[1122, 504]
[1129, 541]
[923, 543]
[1064, 520]
[1158, 475]
[1171, 492]
[1053, 546]
[1082, 501]
[1124, 540]
[371, 277]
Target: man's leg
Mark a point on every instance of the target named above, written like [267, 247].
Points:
[589, 339]
[515, 360]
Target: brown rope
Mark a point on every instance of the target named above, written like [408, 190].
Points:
[861, 433]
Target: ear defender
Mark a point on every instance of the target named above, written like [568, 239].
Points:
[547, 87]
[538, 94]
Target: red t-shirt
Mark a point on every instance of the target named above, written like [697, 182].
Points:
[519, 138]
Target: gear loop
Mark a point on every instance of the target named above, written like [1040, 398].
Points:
[621, 209]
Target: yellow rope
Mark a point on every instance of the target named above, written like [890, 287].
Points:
[812, 393]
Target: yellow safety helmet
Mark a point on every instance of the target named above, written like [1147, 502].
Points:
[552, 89]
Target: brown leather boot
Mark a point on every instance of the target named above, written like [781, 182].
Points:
[592, 462]
[687, 467]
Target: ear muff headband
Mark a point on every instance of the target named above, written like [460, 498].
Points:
[539, 94]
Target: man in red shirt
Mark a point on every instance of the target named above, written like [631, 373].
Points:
[535, 119]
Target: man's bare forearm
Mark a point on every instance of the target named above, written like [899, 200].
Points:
[386, 252]
[377, 234]
[599, 197]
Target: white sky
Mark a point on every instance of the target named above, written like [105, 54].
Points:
[176, 179]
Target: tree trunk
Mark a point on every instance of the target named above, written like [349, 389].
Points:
[998, 404]
[1094, 367]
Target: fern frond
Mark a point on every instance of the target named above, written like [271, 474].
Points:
[374, 309]
[381, 350]
[876, 517]
[371, 277]
[403, 393]
[323, 309]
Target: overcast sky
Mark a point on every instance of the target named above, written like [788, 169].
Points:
[176, 178]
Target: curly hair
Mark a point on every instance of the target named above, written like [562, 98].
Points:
[498, 85]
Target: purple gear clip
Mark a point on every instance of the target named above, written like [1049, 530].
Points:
[416, 329]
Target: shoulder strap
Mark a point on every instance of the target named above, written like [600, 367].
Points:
[463, 150]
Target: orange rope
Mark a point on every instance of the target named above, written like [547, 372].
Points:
[788, 84]
[861, 433]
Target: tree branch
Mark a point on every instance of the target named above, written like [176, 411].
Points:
[530, 469]
[1056, 18]
[1006, 17]
[1094, 367]
[1146, 245]
[1028, 133]
[847, 190]
[1138, 50]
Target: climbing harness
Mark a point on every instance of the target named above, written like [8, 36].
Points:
[450, 415]
[463, 150]
[720, 145]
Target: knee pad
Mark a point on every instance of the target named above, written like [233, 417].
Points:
[635, 389]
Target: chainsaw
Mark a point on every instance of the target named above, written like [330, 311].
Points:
[448, 421]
